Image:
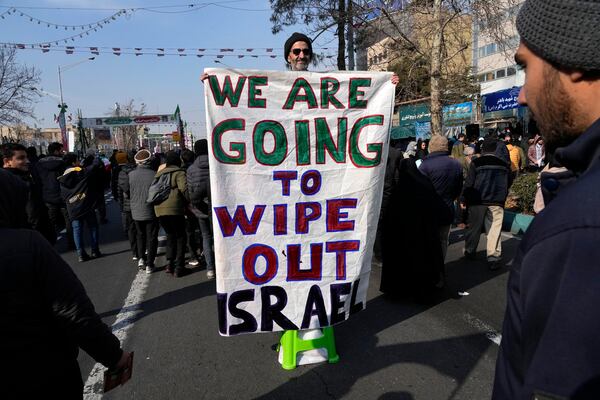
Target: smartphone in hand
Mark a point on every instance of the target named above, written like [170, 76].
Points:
[116, 377]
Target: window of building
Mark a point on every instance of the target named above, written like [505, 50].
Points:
[511, 71]
[501, 73]
[489, 76]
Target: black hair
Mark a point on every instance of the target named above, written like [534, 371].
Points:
[54, 147]
[173, 158]
[187, 156]
[9, 149]
[70, 159]
[201, 147]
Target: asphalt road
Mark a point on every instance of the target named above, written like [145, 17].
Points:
[391, 350]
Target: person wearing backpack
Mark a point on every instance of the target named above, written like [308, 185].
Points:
[171, 213]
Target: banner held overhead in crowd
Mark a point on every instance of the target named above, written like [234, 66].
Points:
[297, 163]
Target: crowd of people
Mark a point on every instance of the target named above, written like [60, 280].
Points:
[550, 331]
[68, 193]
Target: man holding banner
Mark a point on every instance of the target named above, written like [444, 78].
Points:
[296, 167]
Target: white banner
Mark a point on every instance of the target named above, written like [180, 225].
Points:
[297, 162]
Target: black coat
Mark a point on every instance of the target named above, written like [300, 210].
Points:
[45, 317]
[124, 197]
[412, 254]
[49, 170]
[198, 184]
[551, 332]
[37, 212]
[487, 181]
[81, 188]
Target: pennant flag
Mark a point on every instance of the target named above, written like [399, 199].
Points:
[201, 49]
[20, 46]
[273, 56]
[180, 50]
[69, 51]
[199, 55]
[116, 49]
[241, 56]
[138, 54]
[224, 50]
[138, 49]
[249, 50]
[183, 55]
[220, 56]
[96, 52]
[45, 50]
[159, 49]
[269, 50]
[94, 48]
[160, 55]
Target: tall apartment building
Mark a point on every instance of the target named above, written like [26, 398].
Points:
[496, 70]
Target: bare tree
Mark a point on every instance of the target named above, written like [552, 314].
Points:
[18, 89]
[433, 37]
[129, 134]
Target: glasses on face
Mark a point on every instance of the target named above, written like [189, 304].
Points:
[297, 52]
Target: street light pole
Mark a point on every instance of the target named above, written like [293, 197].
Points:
[62, 106]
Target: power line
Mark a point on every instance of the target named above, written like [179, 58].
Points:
[204, 4]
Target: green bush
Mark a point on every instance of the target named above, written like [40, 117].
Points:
[523, 192]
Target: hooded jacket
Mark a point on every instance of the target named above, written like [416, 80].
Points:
[550, 341]
[79, 188]
[178, 198]
[49, 170]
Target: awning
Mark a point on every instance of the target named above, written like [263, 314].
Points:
[401, 132]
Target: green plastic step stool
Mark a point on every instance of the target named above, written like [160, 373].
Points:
[291, 345]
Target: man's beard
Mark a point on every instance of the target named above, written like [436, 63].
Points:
[556, 117]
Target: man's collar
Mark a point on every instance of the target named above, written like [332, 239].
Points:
[583, 151]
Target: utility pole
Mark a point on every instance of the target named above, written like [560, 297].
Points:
[350, 44]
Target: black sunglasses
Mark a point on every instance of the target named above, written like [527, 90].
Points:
[306, 52]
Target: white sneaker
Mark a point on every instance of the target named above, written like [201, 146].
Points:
[194, 262]
[141, 263]
[210, 274]
[149, 269]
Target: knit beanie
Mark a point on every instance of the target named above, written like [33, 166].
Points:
[562, 32]
[296, 37]
[142, 157]
[121, 157]
[438, 143]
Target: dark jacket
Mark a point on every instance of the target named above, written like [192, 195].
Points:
[486, 182]
[551, 333]
[114, 180]
[123, 188]
[49, 170]
[46, 316]
[140, 180]
[14, 194]
[198, 183]
[37, 212]
[80, 189]
[446, 175]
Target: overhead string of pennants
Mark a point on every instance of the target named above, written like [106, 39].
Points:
[263, 52]
[84, 29]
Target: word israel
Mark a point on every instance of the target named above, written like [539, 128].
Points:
[294, 221]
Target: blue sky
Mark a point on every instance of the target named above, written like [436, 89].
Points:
[159, 82]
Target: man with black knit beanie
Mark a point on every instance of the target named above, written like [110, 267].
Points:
[550, 339]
